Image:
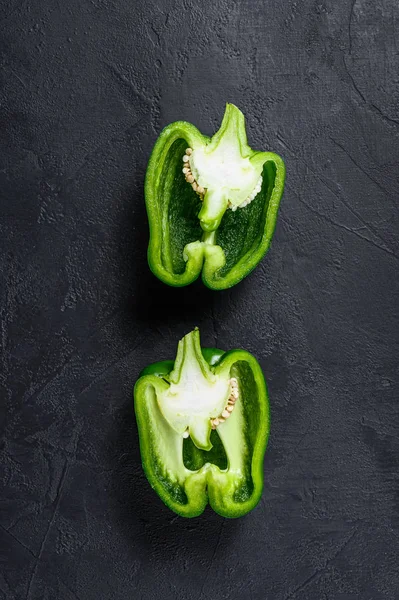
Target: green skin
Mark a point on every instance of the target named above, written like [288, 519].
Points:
[189, 237]
[226, 468]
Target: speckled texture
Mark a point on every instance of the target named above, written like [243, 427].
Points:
[85, 88]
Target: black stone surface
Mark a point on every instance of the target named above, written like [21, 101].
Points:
[86, 87]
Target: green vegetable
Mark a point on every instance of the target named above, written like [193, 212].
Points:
[203, 424]
[212, 203]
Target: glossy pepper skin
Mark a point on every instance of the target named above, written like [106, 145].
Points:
[191, 237]
[222, 466]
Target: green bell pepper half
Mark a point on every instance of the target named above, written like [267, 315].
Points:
[187, 461]
[215, 233]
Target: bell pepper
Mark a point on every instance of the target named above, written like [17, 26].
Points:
[203, 423]
[212, 203]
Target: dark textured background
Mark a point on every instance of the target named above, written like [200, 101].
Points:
[85, 88]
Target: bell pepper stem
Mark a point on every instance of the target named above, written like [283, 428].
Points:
[209, 237]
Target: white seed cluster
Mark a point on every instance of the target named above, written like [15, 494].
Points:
[189, 177]
[230, 404]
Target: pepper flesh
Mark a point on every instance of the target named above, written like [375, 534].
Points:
[222, 466]
[196, 233]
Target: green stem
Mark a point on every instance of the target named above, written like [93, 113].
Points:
[209, 237]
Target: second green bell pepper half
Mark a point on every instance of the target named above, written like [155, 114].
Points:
[203, 423]
[212, 203]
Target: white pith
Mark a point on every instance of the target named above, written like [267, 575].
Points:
[196, 401]
[183, 404]
[224, 170]
[198, 398]
[190, 405]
